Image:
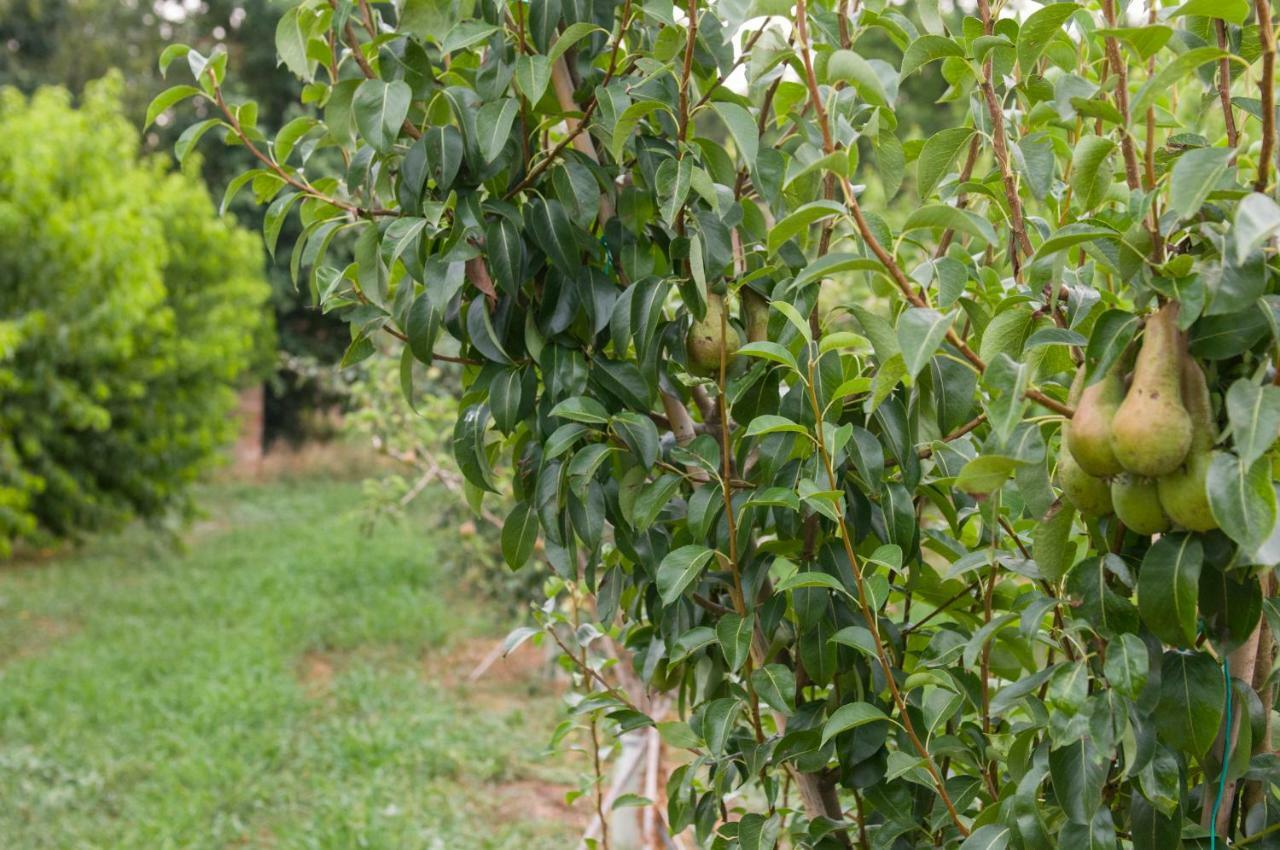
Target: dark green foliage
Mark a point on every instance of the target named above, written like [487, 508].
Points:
[843, 551]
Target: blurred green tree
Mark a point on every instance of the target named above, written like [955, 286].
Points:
[66, 43]
[129, 312]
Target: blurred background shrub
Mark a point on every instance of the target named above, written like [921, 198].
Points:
[129, 314]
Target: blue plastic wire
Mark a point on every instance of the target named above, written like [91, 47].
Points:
[1226, 759]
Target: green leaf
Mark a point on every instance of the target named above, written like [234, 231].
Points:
[504, 254]
[692, 641]
[757, 832]
[640, 435]
[1150, 828]
[986, 474]
[571, 35]
[422, 327]
[581, 409]
[1070, 236]
[507, 398]
[1257, 220]
[812, 578]
[462, 35]
[469, 447]
[717, 722]
[291, 42]
[628, 801]
[289, 135]
[1092, 170]
[734, 633]
[1254, 412]
[1234, 11]
[857, 638]
[563, 438]
[1146, 40]
[679, 569]
[628, 121]
[950, 218]
[939, 151]
[519, 534]
[1242, 499]
[769, 423]
[1112, 333]
[1051, 545]
[1172, 73]
[493, 126]
[851, 716]
[1037, 163]
[191, 136]
[770, 351]
[482, 334]
[1038, 29]
[800, 220]
[742, 127]
[533, 73]
[991, 836]
[274, 218]
[1079, 771]
[166, 99]
[1194, 176]
[847, 66]
[380, 109]
[833, 264]
[676, 733]
[1189, 711]
[170, 53]
[926, 49]
[776, 685]
[1168, 587]
[920, 332]
[1128, 665]
[672, 182]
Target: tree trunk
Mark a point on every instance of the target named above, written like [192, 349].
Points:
[1242, 663]
[1254, 791]
[818, 790]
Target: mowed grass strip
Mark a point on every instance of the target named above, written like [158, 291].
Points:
[283, 682]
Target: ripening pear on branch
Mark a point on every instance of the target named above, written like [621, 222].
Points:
[1088, 434]
[1137, 504]
[1087, 494]
[755, 310]
[1151, 431]
[707, 336]
[1183, 492]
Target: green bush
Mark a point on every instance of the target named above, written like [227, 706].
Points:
[128, 312]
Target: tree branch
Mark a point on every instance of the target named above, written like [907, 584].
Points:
[1267, 34]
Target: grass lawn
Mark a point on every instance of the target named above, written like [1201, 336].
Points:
[283, 683]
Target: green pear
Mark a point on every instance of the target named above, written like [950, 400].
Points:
[1183, 493]
[707, 337]
[755, 307]
[1151, 430]
[1137, 504]
[1087, 494]
[1088, 434]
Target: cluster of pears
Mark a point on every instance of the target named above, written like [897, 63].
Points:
[706, 337]
[1143, 454]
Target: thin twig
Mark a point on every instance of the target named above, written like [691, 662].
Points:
[1267, 34]
[1224, 85]
[1000, 149]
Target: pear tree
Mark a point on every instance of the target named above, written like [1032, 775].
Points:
[915, 492]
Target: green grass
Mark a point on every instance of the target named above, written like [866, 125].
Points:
[282, 683]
